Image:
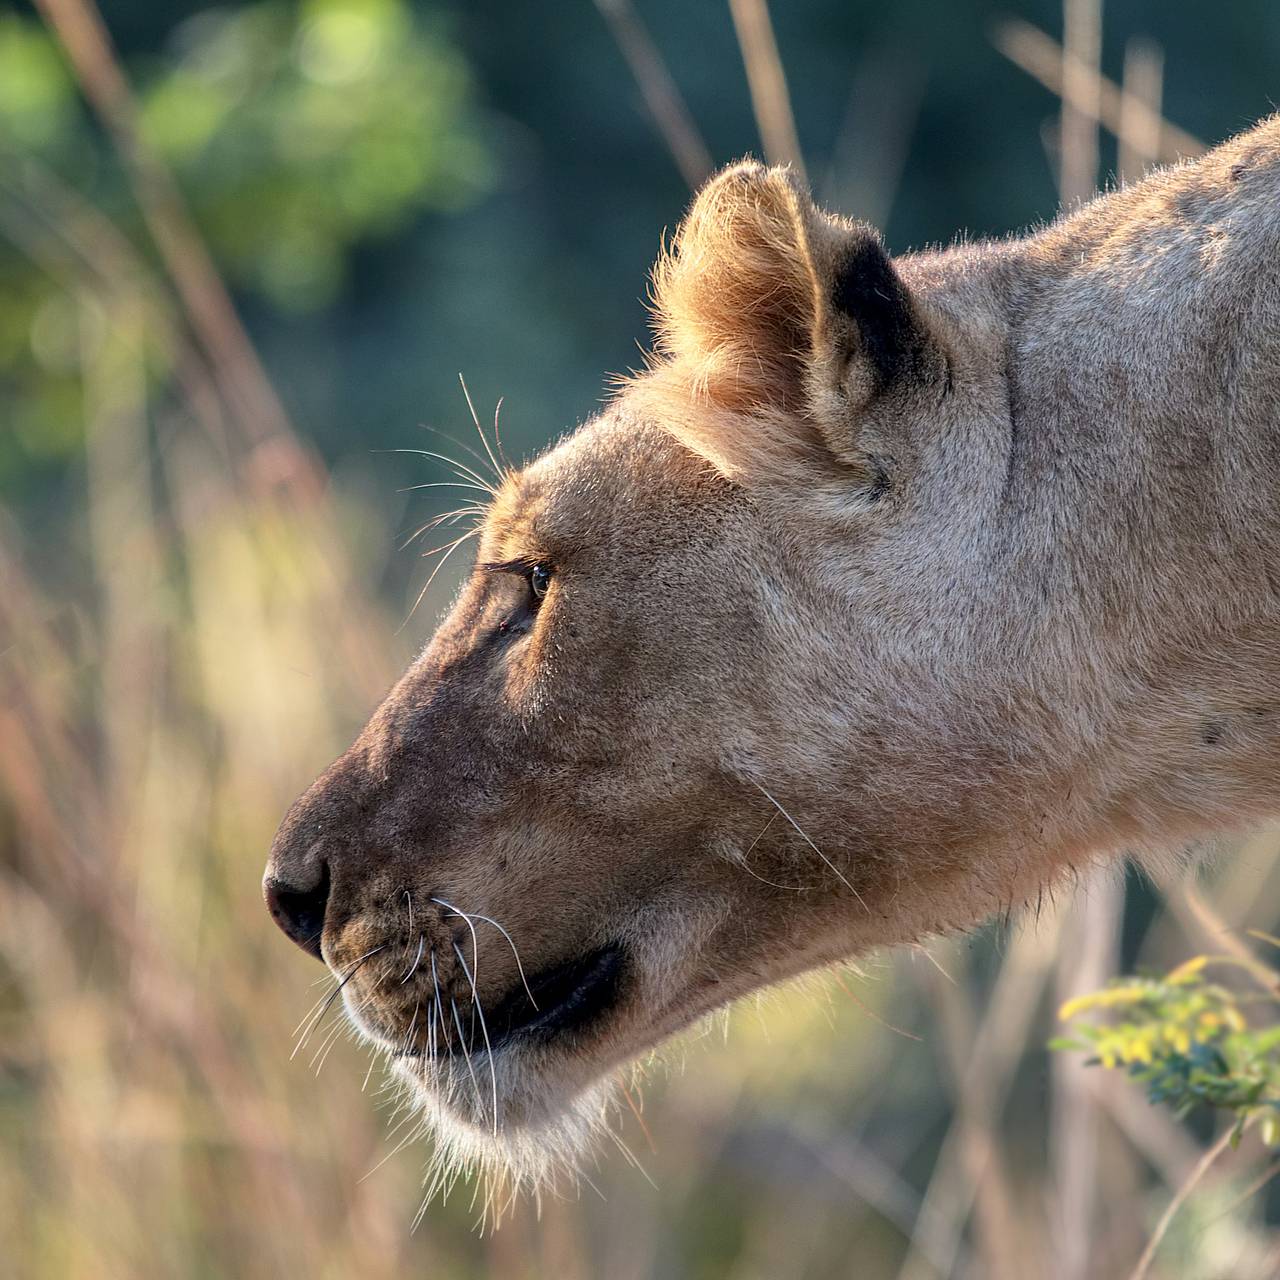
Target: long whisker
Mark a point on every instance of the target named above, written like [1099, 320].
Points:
[399, 1147]
[442, 484]
[497, 470]
[755, 875]
[445, 517]
[413, 1026]
[440, 564]
[452, 439]
[475, 915]
[462, 1044]
[448, 546]
[368, 1075]
[460, 468]
[319, 1000]
[488, 1048]
[435, 987]
[333, 995]
[475, 941]
[408, 898]
[497, 435]
[321, 1055]
[469, 917]
[417, 960]
[838, 873]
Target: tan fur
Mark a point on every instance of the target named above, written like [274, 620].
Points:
[873, 611]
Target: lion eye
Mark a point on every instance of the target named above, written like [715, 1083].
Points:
[539, 580]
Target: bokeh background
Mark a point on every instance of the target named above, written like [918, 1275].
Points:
[245, 251]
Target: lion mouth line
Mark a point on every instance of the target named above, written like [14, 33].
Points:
[565, 998]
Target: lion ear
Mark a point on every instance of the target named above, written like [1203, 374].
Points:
[765, 302]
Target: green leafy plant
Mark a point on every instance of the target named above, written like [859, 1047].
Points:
[1191, 1041]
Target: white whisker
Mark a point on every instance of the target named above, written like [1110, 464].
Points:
[453, 546]
[839, 874]
[488, 1048]
[460, 469]
[435, 987]
[497, 470]
[475, 915]
[417, 960]
[466, 1053]
[442, 484]
[333, 995]
[407, 1043]
[453, 440]
[497, 435]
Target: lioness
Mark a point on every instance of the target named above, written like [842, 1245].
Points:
[891, 591]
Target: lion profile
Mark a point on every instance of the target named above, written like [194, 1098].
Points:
[894, 589]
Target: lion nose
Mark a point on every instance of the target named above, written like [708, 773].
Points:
[297, 910]
[306, 859]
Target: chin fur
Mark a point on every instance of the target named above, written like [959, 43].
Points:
[538, 1146]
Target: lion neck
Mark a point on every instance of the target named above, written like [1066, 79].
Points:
[1144, 389]
[1118, 582]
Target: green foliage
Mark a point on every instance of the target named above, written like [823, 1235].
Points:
[296, 131]
[1188, 1040]
[299, 130]
[37, 103]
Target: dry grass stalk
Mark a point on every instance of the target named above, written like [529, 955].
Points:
[78, 25]
[1041, 57]
[767, 81]
[997, 1045]
[1140, 106]
[661, 94]
[1081, 94]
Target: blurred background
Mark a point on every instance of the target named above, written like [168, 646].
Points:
[245, 251]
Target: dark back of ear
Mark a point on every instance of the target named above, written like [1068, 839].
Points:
[890, 338]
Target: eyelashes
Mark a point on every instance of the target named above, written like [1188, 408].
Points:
[522, 567]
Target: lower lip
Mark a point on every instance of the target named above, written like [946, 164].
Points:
[568, 1000]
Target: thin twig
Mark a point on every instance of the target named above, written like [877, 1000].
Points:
[996, 1048]
[1139, 131]
[79, 27]
[767, 81]
[1081, 93]
[974, 1138]
[1192, 906]
[1086, 961]
[1090, 956]
[873, 142]
[1180, 1198]
[89, 250]
[1041, 57]
[670, 112]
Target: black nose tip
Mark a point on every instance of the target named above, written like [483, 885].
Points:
[299, 912]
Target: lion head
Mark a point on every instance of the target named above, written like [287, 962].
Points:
[726, 697]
